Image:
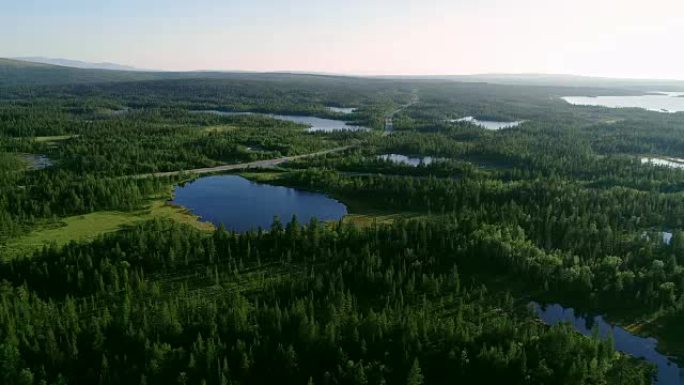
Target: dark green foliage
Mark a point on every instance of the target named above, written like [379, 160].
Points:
[559, 208]
[162, 302]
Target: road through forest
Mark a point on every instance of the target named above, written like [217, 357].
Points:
[242, 166]
[389, 127]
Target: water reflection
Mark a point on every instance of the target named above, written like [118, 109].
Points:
[315, 124]
[487, 124]
[242, 205]
[668, 372]
[37, 161]
[665, 162]
[403, 159]
[658, 101]
[342, 110]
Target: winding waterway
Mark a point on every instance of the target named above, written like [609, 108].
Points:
[668, 372]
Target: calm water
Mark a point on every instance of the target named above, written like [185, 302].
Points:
[342, 110]
[315, 124]
[668, 373]
[665, 236]
[656, 101]
[37, 161]
[666, 162]
[488, 124]
[403, 159]
[241, 204]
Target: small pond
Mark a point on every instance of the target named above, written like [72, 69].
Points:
[37, 161]
[659, 101]
[242, 205]
[403, 159]
[315, 124]
[668, 372]
[341, 110]
[665, 236]
[666, 162]
[487, 124]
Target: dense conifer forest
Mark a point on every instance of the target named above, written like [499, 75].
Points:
[560, 209]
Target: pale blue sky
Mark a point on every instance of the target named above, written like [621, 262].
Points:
[592, 37]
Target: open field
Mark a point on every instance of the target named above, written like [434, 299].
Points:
[219, 128]
[54, 138]
[90, 226]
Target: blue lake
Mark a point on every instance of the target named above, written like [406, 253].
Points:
[315, 124]
[668, 372]
[242, 205]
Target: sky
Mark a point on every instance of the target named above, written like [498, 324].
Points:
[613, 38]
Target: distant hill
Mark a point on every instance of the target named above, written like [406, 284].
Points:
[17, 72]
[559, 80]
[20, 72]
[578, 81]
[77, 63]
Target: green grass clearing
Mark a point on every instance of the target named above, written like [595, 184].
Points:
[365, 220]
[89, 226]
[262, 177]
[56, 138]
[219, 128]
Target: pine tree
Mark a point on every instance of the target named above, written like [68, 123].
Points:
[415, 375]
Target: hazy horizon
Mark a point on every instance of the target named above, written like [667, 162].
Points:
[403, 38]
[128, 67]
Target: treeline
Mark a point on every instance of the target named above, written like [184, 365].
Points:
[28, 198]
[161, 303]
[539, 151]
[276, 93]
[560, 208]
[592, 246]
[153, 140]
[365, 163]
[27, 120]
